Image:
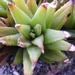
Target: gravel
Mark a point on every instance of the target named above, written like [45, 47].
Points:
[69, 70]
[7, 69]
[41, 68]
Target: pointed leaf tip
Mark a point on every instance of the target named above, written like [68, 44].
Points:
[39, 42]
[17, 26]
[20, 43]
[23, 43]
[54, 4]
[66, 61]
[33, 64]
[72, 48]
[45, 5]
[66, 34]
[34, 54]
[41, 47]
[2, 40]
[10, 4]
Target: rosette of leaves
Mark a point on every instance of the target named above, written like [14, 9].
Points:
[36, 30]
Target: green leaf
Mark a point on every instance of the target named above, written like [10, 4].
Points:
[51, 35]
[24, 30]
[34, 54]
[18, 15]
[60, 45]
[54, 55]
[27, 65]
[19, 56]
[60, 14]
[23, 6]
[32, 6]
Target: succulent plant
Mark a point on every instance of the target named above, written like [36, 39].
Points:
[36, 30]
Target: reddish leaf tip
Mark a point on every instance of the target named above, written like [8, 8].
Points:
[20, 43]
[17, 26]
[3, 40]
[45, 5]
[41, 47]
[66, 34]
[10, 4]
[33, 63]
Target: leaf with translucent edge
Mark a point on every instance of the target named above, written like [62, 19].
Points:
[61, 13]
[32, 6]
[27, 65]
[23, 6]
[39, 42]
[60, 45]
[55, 55]
[24, 30]
[18, 15]
[19, 56]
[34, 54]
[54, 35]
[10, 40]
[39, 17]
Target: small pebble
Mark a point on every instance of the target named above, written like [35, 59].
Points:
[74, 70]
[41, 69]
[16, 73]
[5, 72]
[38, 65]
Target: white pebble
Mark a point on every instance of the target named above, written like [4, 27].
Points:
[1, 71]
[16, 73]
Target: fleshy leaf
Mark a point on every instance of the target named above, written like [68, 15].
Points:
[34, 54]
[39, 42]
[54, 35]
[18, 15]
[27, 63]
[23, 6]
[24, 30]
[60, 45]
[32, 6]
[19, 57]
